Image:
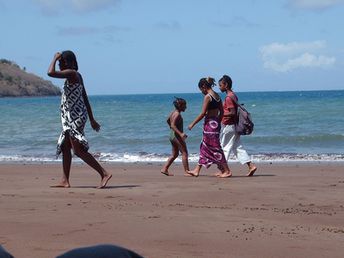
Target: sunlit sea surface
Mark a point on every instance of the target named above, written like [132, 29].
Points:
[289, 126]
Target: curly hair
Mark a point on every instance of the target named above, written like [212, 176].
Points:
[178, 101]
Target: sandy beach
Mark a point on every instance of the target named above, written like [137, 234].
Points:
[285, 210]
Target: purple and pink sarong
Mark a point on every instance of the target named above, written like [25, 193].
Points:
[211, 151]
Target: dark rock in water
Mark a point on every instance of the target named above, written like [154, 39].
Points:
[16, 82]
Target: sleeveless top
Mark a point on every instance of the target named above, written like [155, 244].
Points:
[214, 104]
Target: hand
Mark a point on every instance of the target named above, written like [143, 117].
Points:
[57, 56]
[184, 136]
[190, 126]
[95, 125]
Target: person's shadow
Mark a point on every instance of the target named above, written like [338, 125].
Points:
[107, 187]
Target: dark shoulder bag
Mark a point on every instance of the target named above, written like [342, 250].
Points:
[244, 124]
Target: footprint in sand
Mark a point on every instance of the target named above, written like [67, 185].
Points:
[110, 197]
[9, 195]
[3, 240]
[154, 217]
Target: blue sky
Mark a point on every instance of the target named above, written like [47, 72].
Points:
[166, 46]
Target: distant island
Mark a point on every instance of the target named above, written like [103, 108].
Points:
[16, 82]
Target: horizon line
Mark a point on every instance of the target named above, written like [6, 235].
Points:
[176, 93]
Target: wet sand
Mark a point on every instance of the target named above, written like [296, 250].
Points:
[285, 210]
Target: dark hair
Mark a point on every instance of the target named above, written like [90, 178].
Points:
[178, 101]
[70, 59]
[228, 80]
[207, 82]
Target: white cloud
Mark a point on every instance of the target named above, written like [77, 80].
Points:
[314, 4]
[287, 57]
[79, 6]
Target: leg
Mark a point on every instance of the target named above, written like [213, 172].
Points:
[242, 156]
[170, 160]
[184, 150]
[66, 163]
[227, 138]
[91, 161]
[230, 142]
[185, 162]
[196, 171]
[251, 168]
[225, 172]
[239, 151]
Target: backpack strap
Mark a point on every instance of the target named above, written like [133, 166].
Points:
[236, 102]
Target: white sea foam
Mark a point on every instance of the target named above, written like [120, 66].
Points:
[150, 157]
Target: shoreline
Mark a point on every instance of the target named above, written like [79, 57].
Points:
[176, 163]
[193, 158]
[284, 210]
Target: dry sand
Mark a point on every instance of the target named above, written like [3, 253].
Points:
[285, 210]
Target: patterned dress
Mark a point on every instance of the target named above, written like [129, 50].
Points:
[210, 149]
[73, 115]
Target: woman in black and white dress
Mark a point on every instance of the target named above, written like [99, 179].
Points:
[75, 108]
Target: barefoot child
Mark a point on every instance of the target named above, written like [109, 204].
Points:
[212, 112]
[75, 108]
[177, 137]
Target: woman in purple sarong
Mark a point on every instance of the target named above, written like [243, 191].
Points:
[212, 111]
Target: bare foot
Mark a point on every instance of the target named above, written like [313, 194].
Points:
[104, 181]
[186, 173]
[251, 171]
[192, 173]
[166, 173]
[218, 174]
[225, 175]
[62, 185]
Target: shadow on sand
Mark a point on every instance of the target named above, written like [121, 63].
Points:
[107, 187]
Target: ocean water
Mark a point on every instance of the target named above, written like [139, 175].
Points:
[289, 126]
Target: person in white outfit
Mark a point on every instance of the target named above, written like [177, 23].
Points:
[230, 140]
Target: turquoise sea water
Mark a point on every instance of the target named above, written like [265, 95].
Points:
[304, 125]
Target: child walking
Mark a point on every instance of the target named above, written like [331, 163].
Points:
[177, 137]
[75, 108]
[212, 112]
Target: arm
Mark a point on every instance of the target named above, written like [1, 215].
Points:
[93, 122]
[174, 119]
[67, 73]
[221, 111]
[168, 121]
[230, 111]
[206, 102]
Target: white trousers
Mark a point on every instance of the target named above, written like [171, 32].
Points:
[230, 142]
